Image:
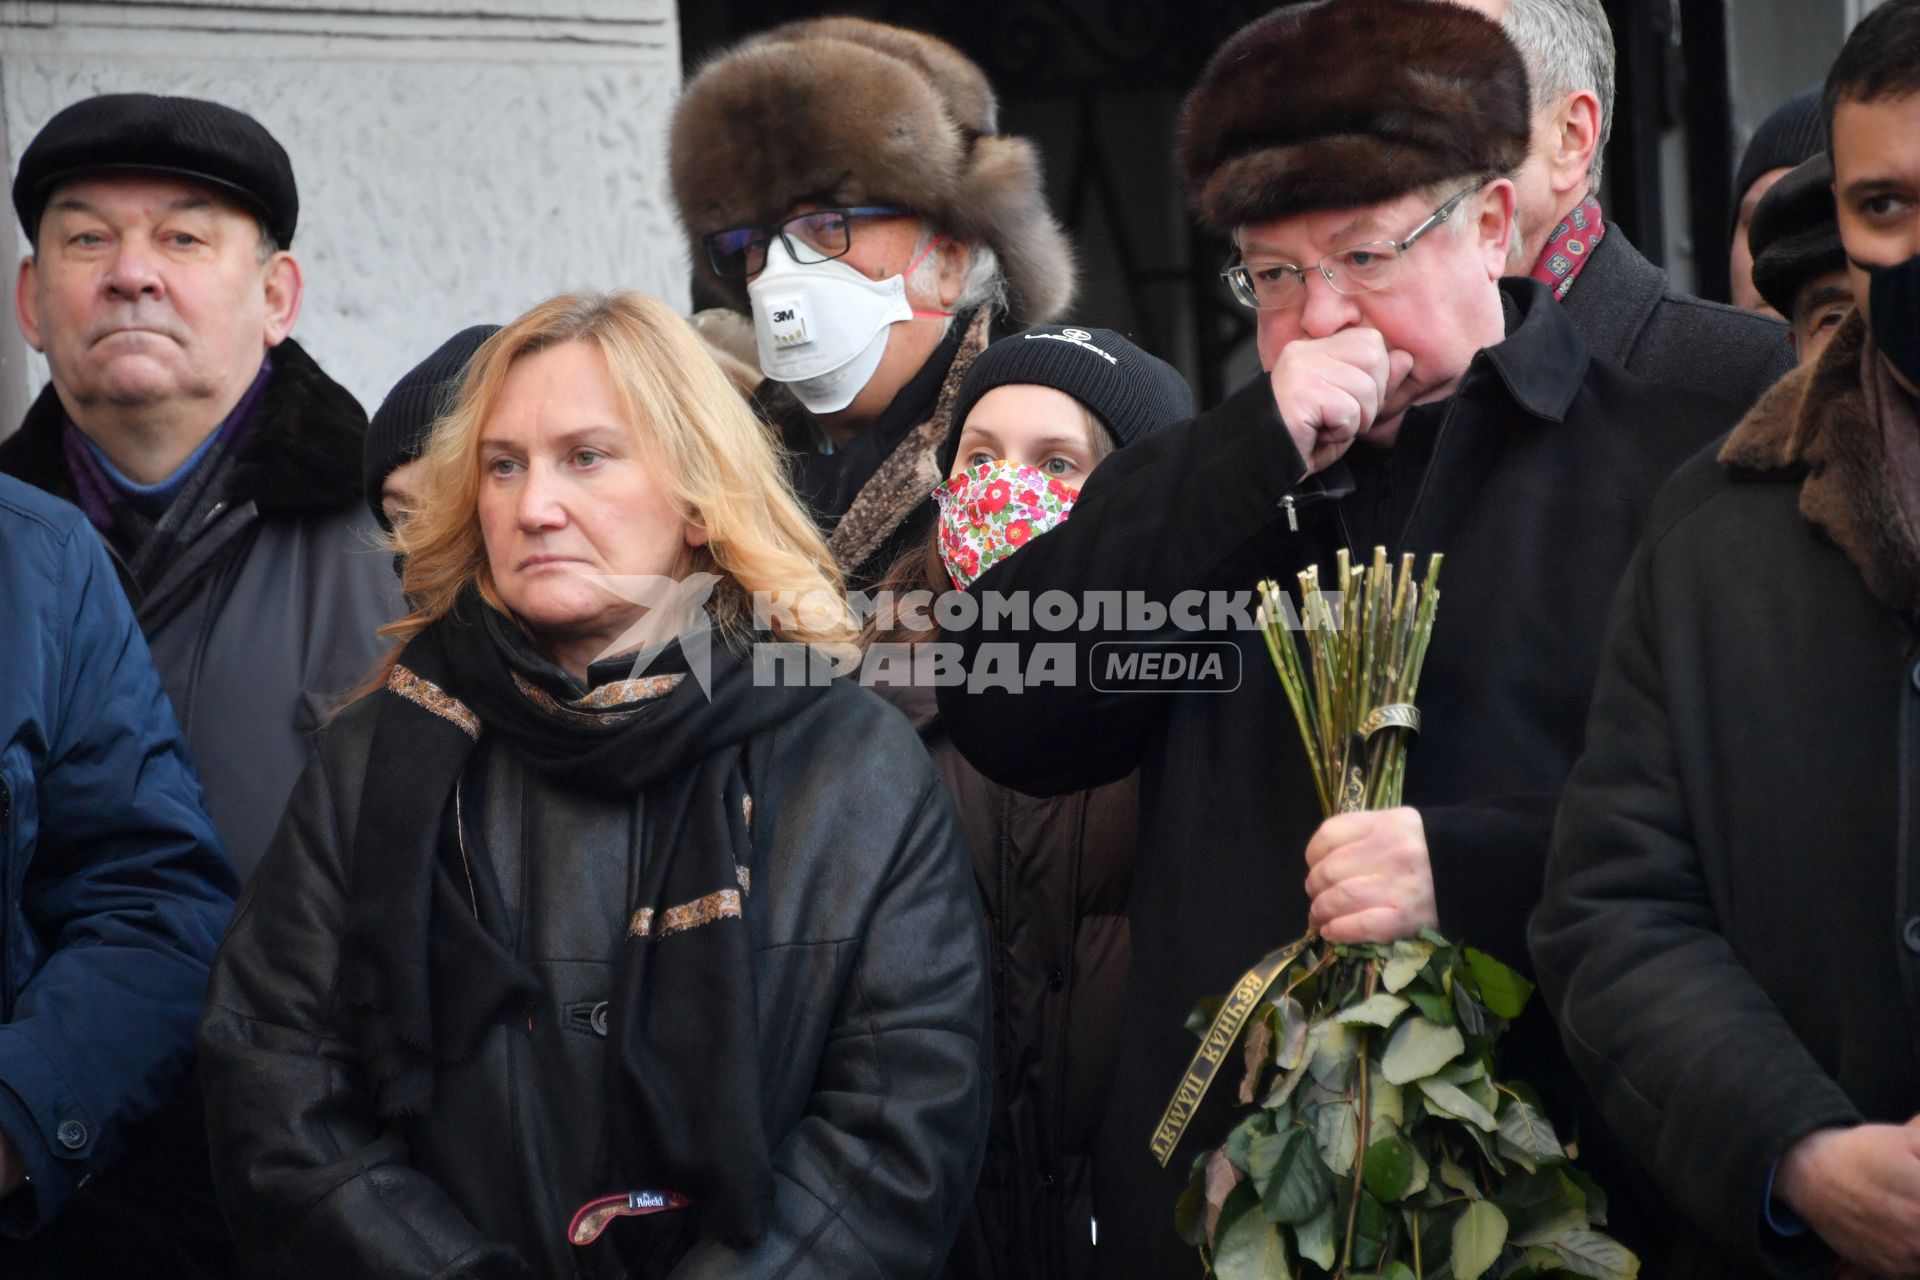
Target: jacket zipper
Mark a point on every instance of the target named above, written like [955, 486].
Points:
[6, 903]
[1903, 843]
[1426, 475]
[1293, 503]
[136, 594]
[460, 839]
[1433, 460]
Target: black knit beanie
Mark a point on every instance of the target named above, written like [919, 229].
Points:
[1787, 139]
[1131, 392]
[400, 426]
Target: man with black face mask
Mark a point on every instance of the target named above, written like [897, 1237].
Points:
[1731, 931]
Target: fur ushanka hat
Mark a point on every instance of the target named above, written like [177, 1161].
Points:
[1343, 103]
[851, 112]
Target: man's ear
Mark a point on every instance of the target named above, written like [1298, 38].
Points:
[285, 288]
[1576, 136]
[26, 308]
[1493, 231]
[954, 257]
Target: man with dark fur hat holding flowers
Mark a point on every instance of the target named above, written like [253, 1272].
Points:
[845, 182]
[1356, 153]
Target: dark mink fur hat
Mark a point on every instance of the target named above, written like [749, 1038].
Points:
[1344, 103]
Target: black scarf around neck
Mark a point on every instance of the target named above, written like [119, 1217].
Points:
[424, 981]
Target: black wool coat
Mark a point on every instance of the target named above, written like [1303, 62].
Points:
[1731, 930]
[267, 614]
[1534, 478]
[1626, 311]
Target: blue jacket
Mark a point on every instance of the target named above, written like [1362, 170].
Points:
[113, 885]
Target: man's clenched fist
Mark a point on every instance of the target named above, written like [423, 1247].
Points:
[1859, 1189]
[1330, 390]
[1369, 878]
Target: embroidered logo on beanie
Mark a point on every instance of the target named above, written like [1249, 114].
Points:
[1078, 337]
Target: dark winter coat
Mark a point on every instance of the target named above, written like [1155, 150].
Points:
[873, 496]
[1534, 478]
[113, 888]
[1731, 931]
[1626, 312]
[870, 972]
[1053, 874]
[267, 615]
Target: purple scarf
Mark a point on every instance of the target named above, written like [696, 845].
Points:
[98, 491]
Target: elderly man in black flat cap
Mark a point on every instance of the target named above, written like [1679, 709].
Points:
[221, 469]
[1413, 399]
[217, 461]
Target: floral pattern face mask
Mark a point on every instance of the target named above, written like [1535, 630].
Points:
[990, 511]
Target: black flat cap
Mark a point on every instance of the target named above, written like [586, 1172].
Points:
[1794, 234]
[203, 141]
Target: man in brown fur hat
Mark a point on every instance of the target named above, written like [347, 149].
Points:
[1356, 152]
[844, 181]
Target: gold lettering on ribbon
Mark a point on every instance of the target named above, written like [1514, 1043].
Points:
[1215, 1045]
[1353, 792]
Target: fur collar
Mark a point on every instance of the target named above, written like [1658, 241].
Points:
[1816, 425]
[911, 473]
[300, 454]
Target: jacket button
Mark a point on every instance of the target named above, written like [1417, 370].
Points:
[1911, 935]
[71, 1134]
[1916, 675]
[1056, 980]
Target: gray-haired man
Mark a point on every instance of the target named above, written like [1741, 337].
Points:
[1623, 306]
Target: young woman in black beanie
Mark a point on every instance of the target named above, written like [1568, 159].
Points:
[1036, 413]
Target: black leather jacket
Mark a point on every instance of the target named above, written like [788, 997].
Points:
[872, 991]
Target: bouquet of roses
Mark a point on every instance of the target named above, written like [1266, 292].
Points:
[1376, 1140]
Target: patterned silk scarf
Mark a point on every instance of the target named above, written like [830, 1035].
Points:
[1569, 247]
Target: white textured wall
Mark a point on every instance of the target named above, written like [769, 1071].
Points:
[458, 160]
